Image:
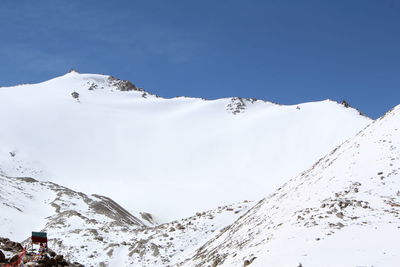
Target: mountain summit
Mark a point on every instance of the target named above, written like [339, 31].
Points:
[99, 134]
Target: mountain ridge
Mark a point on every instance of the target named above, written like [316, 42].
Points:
[116, 141]
[153, 143]
[74, 72]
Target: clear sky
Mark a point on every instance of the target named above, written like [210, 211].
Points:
[278, 50]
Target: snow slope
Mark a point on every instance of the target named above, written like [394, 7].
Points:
[161, 245]
[344, 211]
[29, 205]
[98, 134]
[96, 231]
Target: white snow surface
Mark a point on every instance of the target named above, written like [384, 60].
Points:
[169, 157]
[344, 211]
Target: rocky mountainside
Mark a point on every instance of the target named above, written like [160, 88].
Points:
[343, 211]
[11, 250]
[99, 134]
[47, 205]
[162, 245]
[96, 231]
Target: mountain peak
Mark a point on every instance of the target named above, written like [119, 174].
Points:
[73, 71]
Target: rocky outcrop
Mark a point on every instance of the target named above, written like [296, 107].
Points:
[238, 104]
[12, 251]
[123, 85]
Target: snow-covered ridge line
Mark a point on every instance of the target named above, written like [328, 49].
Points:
[101, 135]
[124, 85]
[44, 204]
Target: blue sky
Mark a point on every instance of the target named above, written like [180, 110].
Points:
[283, 51]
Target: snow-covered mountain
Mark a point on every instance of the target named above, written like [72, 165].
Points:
[96, 231]
[170, 157]
[176, 158]
[343, 211]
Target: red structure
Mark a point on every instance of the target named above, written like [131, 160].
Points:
[39, 237]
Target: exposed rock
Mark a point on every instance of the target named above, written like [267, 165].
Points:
[59, 258]
[248, 262]
[236, 106]
[13, 258]
[123, 85]
[72, 71]
[148, 217]
[2, 257]
[339, 215]
[75, 95]
[156, 251]
[180, 226]
[100, 238]
[113, 210]
[92, 86]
